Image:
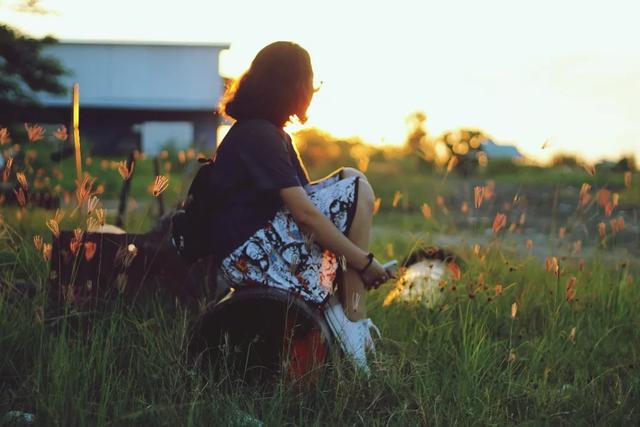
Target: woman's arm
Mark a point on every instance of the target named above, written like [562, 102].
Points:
[324, 232]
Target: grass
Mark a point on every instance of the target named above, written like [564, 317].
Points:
[468, 361]
[123, 366]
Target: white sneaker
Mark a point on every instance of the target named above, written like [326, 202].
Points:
[354, 337]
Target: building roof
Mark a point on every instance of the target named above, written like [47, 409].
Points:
[497, 151]
[143, 43]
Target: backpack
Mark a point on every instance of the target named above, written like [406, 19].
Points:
[192, 231]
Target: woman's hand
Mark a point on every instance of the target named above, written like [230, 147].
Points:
[375, 275]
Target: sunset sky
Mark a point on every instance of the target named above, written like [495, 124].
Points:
[524, 71]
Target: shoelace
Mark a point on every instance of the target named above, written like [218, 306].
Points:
[368, 324]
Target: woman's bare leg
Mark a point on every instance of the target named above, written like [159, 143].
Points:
[352, 291]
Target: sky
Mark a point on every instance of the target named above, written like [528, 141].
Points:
[561, 71]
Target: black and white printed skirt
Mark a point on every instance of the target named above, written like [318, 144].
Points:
[283, 256]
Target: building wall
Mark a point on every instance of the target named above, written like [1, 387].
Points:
[126, 88]
[133, 76]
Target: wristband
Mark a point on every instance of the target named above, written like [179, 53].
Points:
[370, 258]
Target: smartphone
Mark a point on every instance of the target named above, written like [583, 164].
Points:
[391, 266]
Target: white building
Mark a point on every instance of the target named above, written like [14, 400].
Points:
[139, 94]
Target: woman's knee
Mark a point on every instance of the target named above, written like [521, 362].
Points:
[366, 196]
[348, 172]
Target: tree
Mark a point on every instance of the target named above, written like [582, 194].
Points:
[418, 143]
[24, 70]
[465, 144]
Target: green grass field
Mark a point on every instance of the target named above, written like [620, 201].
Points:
[469, 361]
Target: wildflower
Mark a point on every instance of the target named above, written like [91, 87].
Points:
[615, 198]
[83, 189]
[478, 195]
[74, 245]
[426, 211]
[22, 180]
[392, 295]
[603, 197]
[498, 290]
[7, 169]
[20, 197]
[34, 133]
[37, 242]
[476, 250]
[396, 199]
[585, 196]
[514, 310]
[441, 204]
[61, 133]
[529, 244]
[602, 229]
[58, 216]
[89, 250]
[182, 158]
[570, 291]
[100, 216]
[464, 208]
[551, 265]
[125, 172]
[92, 204]
[126, 254]
[46, 251]
[376, 205]
[608, 210]
[499, 221]
[390, 251]
[488, 190]
[577, 246]
[572, 335]
[4, 136]
[591, 169]
[92, 224]
[627, 179]
[617, 225]
[581, 264]
[77, 233]
[159, 185]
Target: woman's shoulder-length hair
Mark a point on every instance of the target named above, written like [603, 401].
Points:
[277, 86]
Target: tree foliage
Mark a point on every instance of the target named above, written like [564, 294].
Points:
[24, 70]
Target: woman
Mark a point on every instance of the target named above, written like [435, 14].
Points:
[276, 228]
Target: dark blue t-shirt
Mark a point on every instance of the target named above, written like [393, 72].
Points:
[253, 162]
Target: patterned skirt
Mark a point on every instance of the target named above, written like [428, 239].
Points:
[281, 255]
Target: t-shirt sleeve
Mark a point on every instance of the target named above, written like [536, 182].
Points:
[268, 161]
